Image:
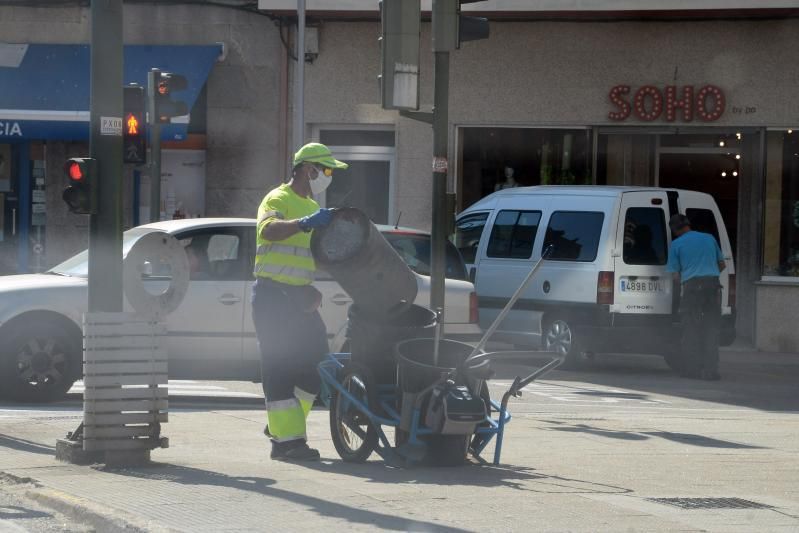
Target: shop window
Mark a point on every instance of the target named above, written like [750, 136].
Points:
[781, 238]
[497, 158]
[467, 235]
[645, 241]
[513, 234]
[574, 235]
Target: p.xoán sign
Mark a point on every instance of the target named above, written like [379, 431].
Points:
[650, 103]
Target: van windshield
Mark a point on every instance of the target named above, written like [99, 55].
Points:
[645, 241]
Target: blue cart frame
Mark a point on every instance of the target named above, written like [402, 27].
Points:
[387, 395]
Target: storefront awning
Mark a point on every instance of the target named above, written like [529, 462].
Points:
[44, 88]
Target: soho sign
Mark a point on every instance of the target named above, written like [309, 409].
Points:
[649, 103]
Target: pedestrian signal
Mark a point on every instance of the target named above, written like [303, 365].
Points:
[134, 135]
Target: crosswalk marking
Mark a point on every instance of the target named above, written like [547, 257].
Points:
[188, 388]
[586, 395]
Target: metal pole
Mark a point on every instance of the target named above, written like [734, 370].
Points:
[299, 82]
[154, 165]
[105, 145]
[440, 168]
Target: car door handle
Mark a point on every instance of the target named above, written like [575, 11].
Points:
[229, 299]
[341, 299]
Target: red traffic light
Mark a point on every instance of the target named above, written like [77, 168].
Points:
[74, 170]
[81, 193]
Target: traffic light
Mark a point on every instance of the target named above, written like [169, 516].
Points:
[164, 84]
[81, 193]
[450, 28]
[134, 135]
[400, 25]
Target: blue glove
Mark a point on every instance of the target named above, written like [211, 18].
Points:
[320, 219]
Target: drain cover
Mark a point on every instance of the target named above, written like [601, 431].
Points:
[710, 503]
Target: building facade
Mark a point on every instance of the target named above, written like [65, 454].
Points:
[701, 98]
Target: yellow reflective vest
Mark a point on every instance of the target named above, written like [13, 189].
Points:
[288, 261]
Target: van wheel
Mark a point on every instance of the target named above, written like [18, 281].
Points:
[559, 337]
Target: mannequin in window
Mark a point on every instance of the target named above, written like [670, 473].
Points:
[509, 182]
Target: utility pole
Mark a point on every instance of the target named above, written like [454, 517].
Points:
[399, 79]
[440, 171]
[105, 146]
[154, 166]
[299, 80]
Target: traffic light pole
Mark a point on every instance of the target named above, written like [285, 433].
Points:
[105, 145]
[440, 170]
[154, 165]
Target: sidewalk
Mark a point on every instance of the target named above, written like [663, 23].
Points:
[566, 467]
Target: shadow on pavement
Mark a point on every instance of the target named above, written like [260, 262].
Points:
[14, 512]
[682, 438]
[23, 445]
[268, 487]
[473, 474]
[755, 380]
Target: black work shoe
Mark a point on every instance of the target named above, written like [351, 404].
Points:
[295, 450]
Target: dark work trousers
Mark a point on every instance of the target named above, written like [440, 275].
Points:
[292, 341]
[700, 314]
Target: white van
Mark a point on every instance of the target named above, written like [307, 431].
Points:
[605, 288]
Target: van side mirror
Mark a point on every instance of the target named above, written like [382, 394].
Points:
[472, 274]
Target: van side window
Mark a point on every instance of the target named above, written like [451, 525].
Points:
[513, 234]
[645, 240]
[467, 235]
[574, 235]
[703, 220]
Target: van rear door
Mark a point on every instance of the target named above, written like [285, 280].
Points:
[704, 214]
[642, 249]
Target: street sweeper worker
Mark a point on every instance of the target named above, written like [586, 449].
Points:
[291, 334]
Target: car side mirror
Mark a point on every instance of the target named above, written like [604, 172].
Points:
[472, 273]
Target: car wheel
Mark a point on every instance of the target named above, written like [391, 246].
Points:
[559, 337]
[40, 361]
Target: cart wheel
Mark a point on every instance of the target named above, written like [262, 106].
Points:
[353, 434]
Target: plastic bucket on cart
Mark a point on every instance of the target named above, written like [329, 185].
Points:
[417, 371]
[372, 338]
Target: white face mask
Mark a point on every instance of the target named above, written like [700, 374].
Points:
[320, 183]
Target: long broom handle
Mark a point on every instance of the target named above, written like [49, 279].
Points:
[494, 325]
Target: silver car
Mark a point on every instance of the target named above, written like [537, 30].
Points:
[211, 334]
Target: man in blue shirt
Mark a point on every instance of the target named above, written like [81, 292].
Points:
[695, 260]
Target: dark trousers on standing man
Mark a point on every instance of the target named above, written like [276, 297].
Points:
[700, 314]
[292, 342]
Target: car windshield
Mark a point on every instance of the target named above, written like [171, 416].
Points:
[78, 265]
[414, 248]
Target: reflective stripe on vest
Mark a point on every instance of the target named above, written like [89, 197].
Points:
[298, 251]
[284, 271]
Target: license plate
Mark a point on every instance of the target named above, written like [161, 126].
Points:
[643, 285]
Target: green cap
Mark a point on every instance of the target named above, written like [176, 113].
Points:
[317, 153]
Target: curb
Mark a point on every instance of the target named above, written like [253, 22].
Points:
[99, 517]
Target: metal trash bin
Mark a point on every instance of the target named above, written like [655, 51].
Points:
[360, 259]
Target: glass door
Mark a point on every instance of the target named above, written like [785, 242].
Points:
[368, 183]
